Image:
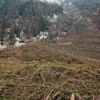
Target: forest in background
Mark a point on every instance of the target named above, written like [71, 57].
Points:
[33, 17]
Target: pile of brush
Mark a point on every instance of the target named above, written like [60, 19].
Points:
[54, 83]
[37, 52]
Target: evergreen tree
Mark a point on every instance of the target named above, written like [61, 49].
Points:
[17, 31]
[11, 39]
[51, 36]
[2, 38]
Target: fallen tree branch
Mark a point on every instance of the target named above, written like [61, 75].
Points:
[47, 98]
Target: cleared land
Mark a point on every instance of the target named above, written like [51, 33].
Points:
[51, 71]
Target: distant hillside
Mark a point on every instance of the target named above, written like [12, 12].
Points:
[90, 8]
[30, 17]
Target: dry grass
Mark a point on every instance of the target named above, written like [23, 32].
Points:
[37, 52]
[37, 72]
[52, 83]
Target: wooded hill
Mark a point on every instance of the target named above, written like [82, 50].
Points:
[33, 16]
[28, 16]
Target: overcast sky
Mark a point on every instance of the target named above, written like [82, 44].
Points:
[56, 1]
[50, 0]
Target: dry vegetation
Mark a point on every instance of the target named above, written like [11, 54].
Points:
[84, 46]
[38, 72]
[38, 52]
[67, 69]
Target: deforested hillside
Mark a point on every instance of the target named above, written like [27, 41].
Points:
[49, 50]
[36, 71]
[37, 52]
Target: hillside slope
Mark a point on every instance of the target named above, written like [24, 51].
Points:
[38, 72]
